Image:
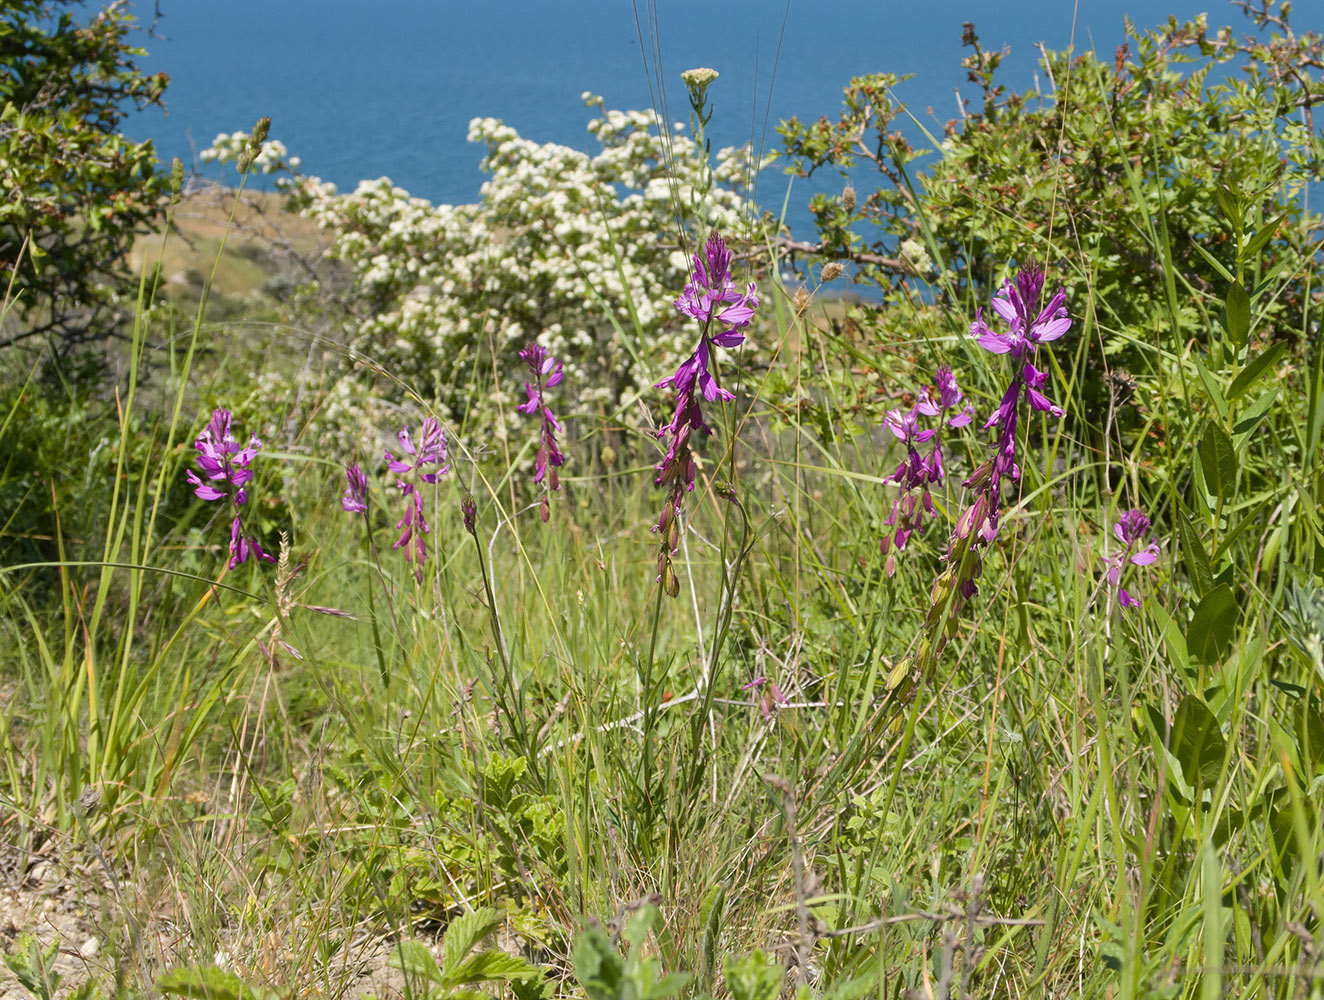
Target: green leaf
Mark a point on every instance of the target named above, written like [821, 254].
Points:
[1231, 206]
[598, 966]
[714, 905]
[1211, 387]
[1209, 635]
[1218, 460]
[1255, 369]
[207, 982]
[464, 934]
[1215, 264]
[488, 966]
[755, 977]
[1194, 556]
[415, 959]
[1261, 237]
[1197, 743]
[1251, 419]
[1236, 315]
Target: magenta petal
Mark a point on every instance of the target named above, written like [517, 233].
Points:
[1126, 600]
[1146, 556]
[997, 343]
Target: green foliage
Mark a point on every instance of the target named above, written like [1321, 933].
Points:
[1108, 175]
[607, 975]
[464, 964]
[79, 191]
[207, 982]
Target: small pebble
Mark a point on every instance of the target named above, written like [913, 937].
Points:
[89, 948]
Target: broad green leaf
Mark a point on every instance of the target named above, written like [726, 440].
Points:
[1197, 743]
[487, 966]
[598, 966]
[1261, 237]
[1219, 461]
[1262, 363]
[207, 982]
[1211, 387]
[1236, 315]
[1251, 419]
[1209, 635]
[464, 934]
[755, 977]
[1194, 556]
[414, 958]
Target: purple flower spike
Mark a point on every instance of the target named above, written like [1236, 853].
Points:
[355, 500]
[919, 471]
[546, 372]
[226, 467]
[1015, 304]
[419, 463]
[711, 298]
[1131, 530]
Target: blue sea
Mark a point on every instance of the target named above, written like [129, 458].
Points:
[363, 90]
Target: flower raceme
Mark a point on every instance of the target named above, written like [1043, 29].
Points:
[1028, 326]
[723, 311]
[418, 464]
[226, 468]
[355, 500]
[1131, 530]
[918, 471]
[546, 372]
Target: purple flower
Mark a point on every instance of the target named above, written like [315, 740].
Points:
[918, 470]
[546, 372]
[712, 298]
[770, 697]
[1016, 304]
[225, 466]
[1131, 530]
[469, 510]
[355, 500]
[417, 464]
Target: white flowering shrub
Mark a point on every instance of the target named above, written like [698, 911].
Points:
[273, 157]
[579, 252]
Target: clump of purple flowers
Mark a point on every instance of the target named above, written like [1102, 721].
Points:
[546, 372]
[1131, 530]
[226, 467]
[1028, 326]
[918, 471]
[723, 310]
[355, 500]
[417, 464]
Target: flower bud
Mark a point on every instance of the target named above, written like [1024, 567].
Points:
[800, 301]
[259, 135]
[848, 198]
[470, 511]
[832, 270]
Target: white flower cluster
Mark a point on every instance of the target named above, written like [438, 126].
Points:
[578, 252]
[274, 157]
